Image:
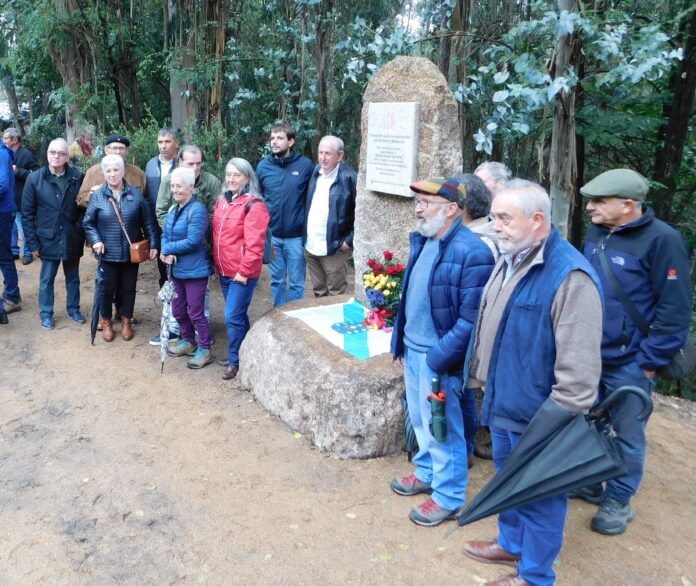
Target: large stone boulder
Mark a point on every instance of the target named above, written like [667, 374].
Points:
[347, 408]
[383, 221]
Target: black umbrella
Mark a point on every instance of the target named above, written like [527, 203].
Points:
[411, 441]
[98, 295]
[558, 452]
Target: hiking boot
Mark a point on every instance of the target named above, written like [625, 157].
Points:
[157, 340]
[107, 330]
[430, 514]
[592, 494]
[231, 372]
[410, 485]
[126, 329]
[201, 358]
[182, 348]
[12, 306]
[613, 517]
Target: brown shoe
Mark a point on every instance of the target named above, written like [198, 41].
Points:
[231, 372]
[126, 329]
[107, 330]
[470, 461]
[100, 326]
[509, 580]
[489, 552]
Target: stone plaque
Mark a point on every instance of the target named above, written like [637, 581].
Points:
[392, 147]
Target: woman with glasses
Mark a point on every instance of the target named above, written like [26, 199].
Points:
[240, 221]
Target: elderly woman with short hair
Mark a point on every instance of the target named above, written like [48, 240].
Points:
[186, 250]
[107, 238]
[240, 221]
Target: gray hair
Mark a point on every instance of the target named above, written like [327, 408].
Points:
[188, 176]
[245, 168]
[112, 160]
[168, 131]
[13, 133]
[499, 172]
[338, 143]
[190, 148]
[478, 197]
[531, 197]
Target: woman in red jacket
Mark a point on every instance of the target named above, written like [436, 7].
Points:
[240, 220]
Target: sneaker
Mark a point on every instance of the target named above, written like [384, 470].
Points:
[27, 260]
[592, 494]
[430, 514]
[77, 317]
[12, 306]
[157, 341]
[47, 323]
[410, 485]
[613, 517]
[182, 348]
[201, 358]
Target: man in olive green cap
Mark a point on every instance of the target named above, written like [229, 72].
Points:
[643, 265]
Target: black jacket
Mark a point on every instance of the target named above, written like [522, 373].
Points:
[26, 163]
[339, 226]
[101, 223]
[51, 219]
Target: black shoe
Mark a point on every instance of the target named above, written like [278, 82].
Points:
[591, 494]
[3, 318]
[27, 260]
[15, 257]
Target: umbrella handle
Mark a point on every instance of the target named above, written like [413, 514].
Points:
[602, 409]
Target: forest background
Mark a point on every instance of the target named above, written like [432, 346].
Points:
[559, 91]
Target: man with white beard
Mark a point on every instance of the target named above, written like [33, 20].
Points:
[447, 269]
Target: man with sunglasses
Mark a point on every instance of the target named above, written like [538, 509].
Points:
[447, 269]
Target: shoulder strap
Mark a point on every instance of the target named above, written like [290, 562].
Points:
[250, 203]
[120, 219]
[620, 292]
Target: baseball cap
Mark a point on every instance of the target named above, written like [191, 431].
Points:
[450, 188]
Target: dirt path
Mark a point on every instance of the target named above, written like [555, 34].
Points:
[111, 473]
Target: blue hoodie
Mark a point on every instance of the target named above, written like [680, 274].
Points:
[7, 181]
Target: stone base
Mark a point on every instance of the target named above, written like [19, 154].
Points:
[348, 408]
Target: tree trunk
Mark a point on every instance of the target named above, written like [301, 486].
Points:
[577, 208]
[215, 22]
[672, 136]
[562, 160]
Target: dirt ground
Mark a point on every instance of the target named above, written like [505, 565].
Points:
[112, 473]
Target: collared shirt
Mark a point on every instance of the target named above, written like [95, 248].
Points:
[165, 167]
[318, 217]
[513, 262]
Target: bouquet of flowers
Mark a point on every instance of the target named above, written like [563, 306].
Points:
[383, 290]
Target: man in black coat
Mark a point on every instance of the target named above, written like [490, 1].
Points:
[53, 226]
[24, 163]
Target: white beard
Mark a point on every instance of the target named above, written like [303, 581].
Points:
[429, 227]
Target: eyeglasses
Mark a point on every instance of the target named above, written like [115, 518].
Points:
[113, 147]
[57, 154]
[424, 203]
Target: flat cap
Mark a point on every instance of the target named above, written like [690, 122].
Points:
[116, 138]
[624, 183]
[450, 188]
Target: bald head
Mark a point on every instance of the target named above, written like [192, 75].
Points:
[57, 155]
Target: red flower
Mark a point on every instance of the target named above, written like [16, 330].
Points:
[377, 268]
[371, 262]
[399, 268]
[388, 255]
[390, 269]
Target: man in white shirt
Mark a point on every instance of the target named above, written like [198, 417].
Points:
[330, 217]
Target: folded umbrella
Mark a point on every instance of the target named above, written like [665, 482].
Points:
[411, 446]
[558, 452]
[166, 294]
[98, 295]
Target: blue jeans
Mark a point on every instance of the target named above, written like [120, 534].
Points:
[7, 265]
[471, 420]
[237, 301]
[288, 265]
[630, 432]
[17, 231]
[47, 277]
[442, 464]
[535, 531]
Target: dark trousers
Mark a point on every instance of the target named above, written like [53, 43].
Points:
[188, 308]
[47, 277]
[7, 265]
[119, 279]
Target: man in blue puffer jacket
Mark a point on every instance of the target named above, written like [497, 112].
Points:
[650, 262]
[447, 269]
[8, 209]
[284, 176]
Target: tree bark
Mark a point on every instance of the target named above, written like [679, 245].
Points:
[672, 135]
[562, 160]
